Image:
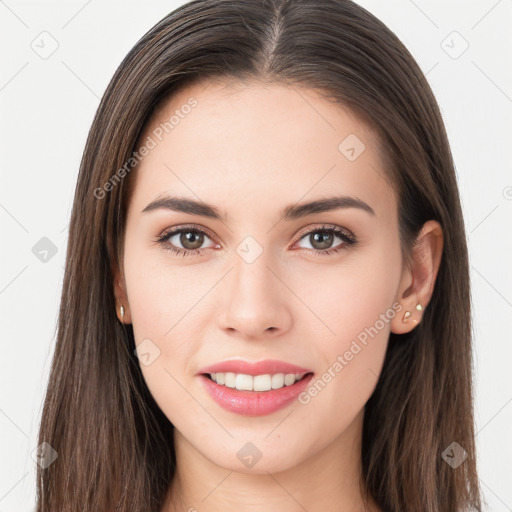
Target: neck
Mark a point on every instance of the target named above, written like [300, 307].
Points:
[332, 475]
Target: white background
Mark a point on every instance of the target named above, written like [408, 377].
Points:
[46, 109]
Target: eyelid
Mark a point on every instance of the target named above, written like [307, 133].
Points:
[325, 227]
[185, 227]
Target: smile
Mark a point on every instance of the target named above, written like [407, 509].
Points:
[266, 382]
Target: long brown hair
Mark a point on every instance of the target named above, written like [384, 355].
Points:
[114, 444]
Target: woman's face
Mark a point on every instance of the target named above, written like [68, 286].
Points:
[260, 277]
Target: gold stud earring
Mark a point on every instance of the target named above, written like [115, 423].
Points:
[406, 316]
[121, 310]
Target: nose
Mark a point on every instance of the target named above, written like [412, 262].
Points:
[255, 302]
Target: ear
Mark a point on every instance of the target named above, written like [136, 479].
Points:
[419, 277]
[120, 295]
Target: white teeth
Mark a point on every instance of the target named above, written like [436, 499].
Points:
[277, 380]
[244, 382]
[262, 382]
[229, 379]
[289, 379]
[265, 382]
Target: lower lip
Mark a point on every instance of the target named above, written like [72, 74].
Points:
[254, 403]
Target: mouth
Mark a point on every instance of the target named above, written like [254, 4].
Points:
[260, 383]
[254, 395]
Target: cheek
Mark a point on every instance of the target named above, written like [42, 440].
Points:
[353, 296]
[356, 306]
[164, 305]
[161, 294]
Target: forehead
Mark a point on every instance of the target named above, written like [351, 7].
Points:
[246, 142]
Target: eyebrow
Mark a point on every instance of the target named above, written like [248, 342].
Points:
[291, 212]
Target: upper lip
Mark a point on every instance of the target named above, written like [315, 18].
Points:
[268, 366]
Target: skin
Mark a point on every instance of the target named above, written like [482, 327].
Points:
[252, 149]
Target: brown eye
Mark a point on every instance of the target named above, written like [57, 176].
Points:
[185, 241]
[191, 239]
[321, 240]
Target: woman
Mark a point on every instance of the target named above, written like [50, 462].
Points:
[266, 299]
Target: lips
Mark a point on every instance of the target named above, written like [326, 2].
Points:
[271, 366]
[254, 389]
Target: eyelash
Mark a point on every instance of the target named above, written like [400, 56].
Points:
[349, 240]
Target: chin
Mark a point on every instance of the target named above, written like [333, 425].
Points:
[256, 458]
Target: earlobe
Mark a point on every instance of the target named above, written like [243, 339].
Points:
[121, 312]
[122, 308]
[418, 279]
